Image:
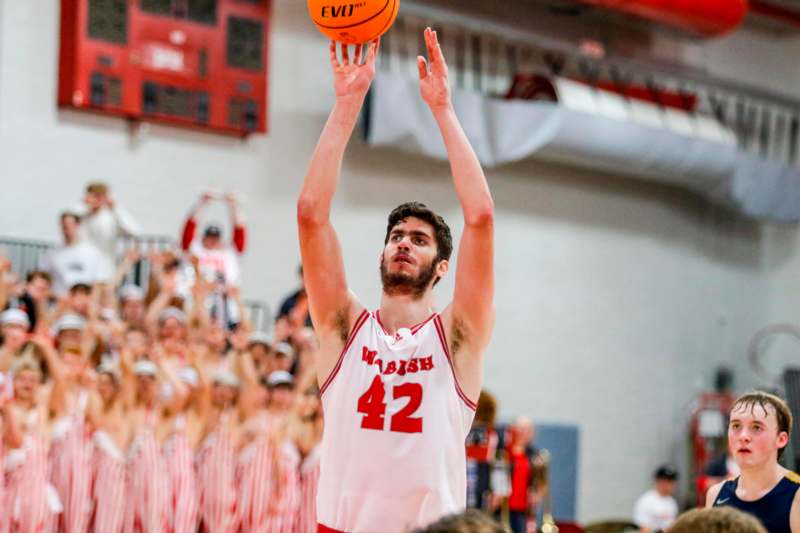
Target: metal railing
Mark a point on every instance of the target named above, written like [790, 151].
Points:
[26, 255]
[485, 56]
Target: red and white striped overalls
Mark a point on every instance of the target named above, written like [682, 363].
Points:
[32, 504]
[216, 475]
[184, 498]
[148, 483]
[285, 498]
[71, 470]
[110, 485]
[309, 476]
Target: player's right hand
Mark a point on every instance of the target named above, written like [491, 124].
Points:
[351, 79]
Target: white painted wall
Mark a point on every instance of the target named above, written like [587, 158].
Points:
[615, 299]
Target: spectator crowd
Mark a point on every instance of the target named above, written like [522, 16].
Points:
[151, 407]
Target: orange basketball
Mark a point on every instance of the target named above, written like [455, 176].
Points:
[353, 21]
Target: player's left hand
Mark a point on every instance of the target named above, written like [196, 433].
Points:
[434, 84]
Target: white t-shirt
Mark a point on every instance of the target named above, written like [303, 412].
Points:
[213, 262]
[71, 264]
[102, 230]
[654, 511]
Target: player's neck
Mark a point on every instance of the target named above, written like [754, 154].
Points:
[761, 478]
[404, 311]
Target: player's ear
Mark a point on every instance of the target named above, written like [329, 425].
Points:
[442, 268]
[783, 439]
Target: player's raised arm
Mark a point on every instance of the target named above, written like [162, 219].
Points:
[330, 302]
[471, 314]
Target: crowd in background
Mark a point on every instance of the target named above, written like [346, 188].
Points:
[152, 407]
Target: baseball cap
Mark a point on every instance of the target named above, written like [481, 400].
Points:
[14, 317]
[189, 376]
[279, 377]
[129, 291]
[145, 367]
[284, 348]
[260, 337]
[226, 377]
[212, 230]
[69, 322]
[107, 367]
[667, 472]
[172, 312]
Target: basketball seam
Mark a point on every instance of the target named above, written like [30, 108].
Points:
[395, 10]
[357, 23]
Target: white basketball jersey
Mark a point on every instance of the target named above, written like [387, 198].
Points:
[396, 420]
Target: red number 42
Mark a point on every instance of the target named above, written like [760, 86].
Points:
[372, 405]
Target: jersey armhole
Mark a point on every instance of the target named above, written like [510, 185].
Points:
[362, 318]
[437, 322]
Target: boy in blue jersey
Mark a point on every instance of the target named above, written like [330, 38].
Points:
[758, 433]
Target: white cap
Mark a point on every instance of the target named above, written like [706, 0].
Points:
[14, 317]
[285, 348]
[107, 367]
[280, 377]
[129, 291]
[69, 322]
[260, 337]
[189, 376]
[145, 367]
[172, 312]
[226, 377]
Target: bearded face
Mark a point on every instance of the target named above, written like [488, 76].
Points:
[405, 283]
[409, 262]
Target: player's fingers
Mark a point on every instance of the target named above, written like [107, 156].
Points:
[437, 48]
[372, 53]
[423, 67]
[334, 58]
[345, 54]
[427, 37]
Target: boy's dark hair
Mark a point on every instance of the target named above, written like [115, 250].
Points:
[441, 231]
[33, 274]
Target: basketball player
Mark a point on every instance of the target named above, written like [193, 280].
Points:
[398, 385]
[757, 435]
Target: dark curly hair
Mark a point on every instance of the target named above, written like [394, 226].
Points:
[441, 231]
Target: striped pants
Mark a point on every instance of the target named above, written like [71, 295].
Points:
[286, 497]
[148, 487]
[269, 489]
[184, 498]
[31, 504]
[309, 478]
[71, 474]
[109, 490]
[216, 476]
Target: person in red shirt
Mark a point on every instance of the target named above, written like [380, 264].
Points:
[216, 262]
[524, 460]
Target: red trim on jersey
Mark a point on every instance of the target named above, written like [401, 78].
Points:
[357, 326]
[414, 329]
[443, 338]
[418, 327]
[326, 529]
